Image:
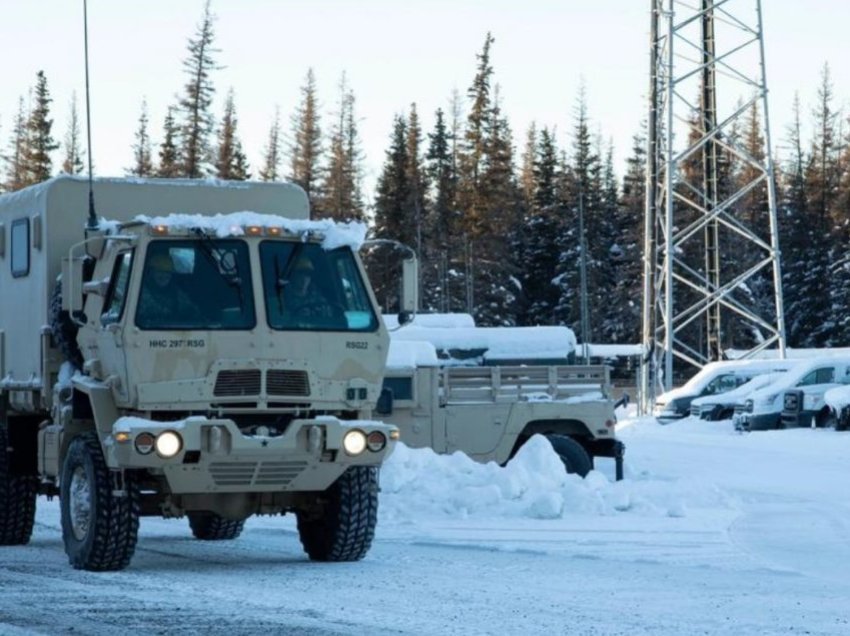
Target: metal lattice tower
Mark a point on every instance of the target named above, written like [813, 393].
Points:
[707, 73]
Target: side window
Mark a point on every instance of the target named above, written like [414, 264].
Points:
[116, 297]
[402, 388]
[20, 248]
[826, 375]
[808, 379]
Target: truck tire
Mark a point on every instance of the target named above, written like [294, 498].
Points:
[64, 330]
[99, 527]
[17, 499]
[208, 526]
[346, 525]
[572, 454]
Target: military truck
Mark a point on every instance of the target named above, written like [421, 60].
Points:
[489, 412]
[161, 363]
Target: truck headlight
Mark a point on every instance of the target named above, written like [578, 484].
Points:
[354, 442]
[168, 444]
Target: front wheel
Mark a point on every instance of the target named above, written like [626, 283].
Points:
[342, 528]
[17, 498]
[572, 454]
[99, 524]
[208, 526]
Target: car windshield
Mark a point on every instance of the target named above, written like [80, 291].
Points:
[196, 284]
[309, 288]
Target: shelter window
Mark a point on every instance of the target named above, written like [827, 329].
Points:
[20, 248]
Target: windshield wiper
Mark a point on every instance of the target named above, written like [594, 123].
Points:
[281, 277]
[216, 259]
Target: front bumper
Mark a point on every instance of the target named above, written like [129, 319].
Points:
[216, 456]
[761, 422]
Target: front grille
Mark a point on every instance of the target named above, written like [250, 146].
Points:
[247, 474]
[694, 410]
[740, 409]
[283, 382]
[238, 383]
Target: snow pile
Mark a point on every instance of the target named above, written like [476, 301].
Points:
[837, 398]
[418, 483]
[334, 234]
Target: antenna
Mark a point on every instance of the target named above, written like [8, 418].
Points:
[92, 223]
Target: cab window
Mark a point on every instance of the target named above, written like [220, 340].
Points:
[116, 297]
[721, 384]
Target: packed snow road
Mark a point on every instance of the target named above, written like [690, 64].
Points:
[712, 532]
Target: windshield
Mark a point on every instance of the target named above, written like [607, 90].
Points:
[196, 284]
[309, 288]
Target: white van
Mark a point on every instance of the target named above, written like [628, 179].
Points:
[721, 406]
[762, 410]
[713, 379]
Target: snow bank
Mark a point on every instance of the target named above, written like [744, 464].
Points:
[837, 398]
[418, 483]
[334, 234]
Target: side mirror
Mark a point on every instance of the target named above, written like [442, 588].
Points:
[385, 401]
[409, 285]
[405, 317]
[623, 401]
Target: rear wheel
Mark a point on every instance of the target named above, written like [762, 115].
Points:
[17, 498]
[572, 454]
[343, 527]
[208, 526]
[99, 524]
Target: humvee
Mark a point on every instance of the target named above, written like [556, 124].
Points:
[161, 363]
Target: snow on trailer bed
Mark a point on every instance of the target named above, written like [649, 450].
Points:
[710, 532]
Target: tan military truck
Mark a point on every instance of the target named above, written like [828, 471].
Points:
[201, 361]
[489, 412]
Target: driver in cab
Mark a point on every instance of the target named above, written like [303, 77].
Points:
[305, 304]
[162, 303]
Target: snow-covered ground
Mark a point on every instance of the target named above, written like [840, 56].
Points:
[711, 532]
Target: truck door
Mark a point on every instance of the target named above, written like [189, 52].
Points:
[110, 336]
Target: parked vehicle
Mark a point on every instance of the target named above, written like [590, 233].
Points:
[721, 406]
[838, 401]
[490, 411]
[714, 378]
[800, 392]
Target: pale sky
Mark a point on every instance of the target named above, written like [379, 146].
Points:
[393, 52]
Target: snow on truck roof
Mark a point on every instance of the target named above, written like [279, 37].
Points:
[244, 223]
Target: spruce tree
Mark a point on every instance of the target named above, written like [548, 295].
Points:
[416, 178]
[306, 147]
[169, 157]
[393, 218]
[14, 161]
[441, 219]
[142, 162]
[341, 198]
[73, 161]
[271, 159]
[197, 120]
[230, 160]
[38, 164]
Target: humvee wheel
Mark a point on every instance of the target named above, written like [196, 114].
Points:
[209, 526]
[572, 454]
[17, 499]
[344, 528]
[99, 527]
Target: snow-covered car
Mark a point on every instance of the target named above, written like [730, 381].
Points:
[838, 401]
[721, 406]
[714, 378]
[808, 381]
